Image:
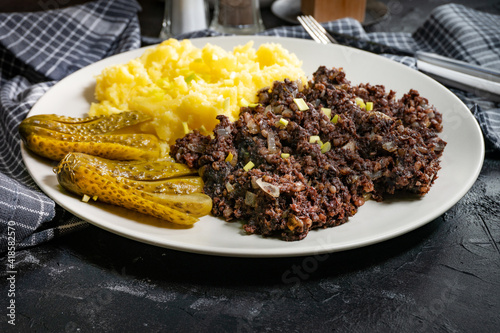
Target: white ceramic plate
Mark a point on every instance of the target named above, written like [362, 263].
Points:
[375, 222]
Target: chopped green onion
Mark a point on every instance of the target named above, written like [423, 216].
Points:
[229, 157]
[185, 127]
[326, 147]
[248, 166]
[285, 155]
[360, 102]
[301, 104]
[314, 139]
[203, 128]
[335, 119]
[327, 111]
[283, 122]
[164, 83]
[369, 106]
[190, 77]
[95, 197]
[253, 105]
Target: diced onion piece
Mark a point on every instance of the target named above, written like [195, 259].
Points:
[271, 142]
[327, 111]
[301, 104]
[380, 115]
[197, 148]
[326, 147]
[287, 112]
[85, 198]
[185, 127]
[300, 85]
[229, 187]
[222, 132]
[374, 175]
[335, 119]
[269, 188]
[229, 157]
[253, 127]
[244, 102]
[369, 106]
[285, 155]
[294, 223]
[390, 146]
[314, 139]
[351, 145]
[283, 122]
[95, 197]
[253, 182]
[248, 166]
[250, 199]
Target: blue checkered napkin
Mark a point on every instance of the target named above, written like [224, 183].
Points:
[58, 42]
[36, 50]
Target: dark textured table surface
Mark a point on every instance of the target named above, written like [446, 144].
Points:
[442, 277]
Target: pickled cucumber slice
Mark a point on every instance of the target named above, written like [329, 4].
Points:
[114, 137]
[93, 176]
[87, 125]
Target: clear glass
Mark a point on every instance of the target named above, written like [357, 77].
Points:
[183, 16]
[239, 17]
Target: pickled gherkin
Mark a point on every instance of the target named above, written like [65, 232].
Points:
[146, 187]
[113, 137]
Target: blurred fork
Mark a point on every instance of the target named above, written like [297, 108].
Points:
[316, 30]
[457, 74]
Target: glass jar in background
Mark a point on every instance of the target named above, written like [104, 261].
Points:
[240, 17]
[183, 16]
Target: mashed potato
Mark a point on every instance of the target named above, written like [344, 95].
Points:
[184, 87]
